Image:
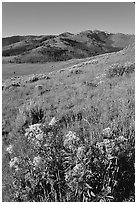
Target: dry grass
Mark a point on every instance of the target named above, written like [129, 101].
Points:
[74, 169]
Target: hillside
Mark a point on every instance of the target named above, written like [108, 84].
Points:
[34, 49]
[69, 133]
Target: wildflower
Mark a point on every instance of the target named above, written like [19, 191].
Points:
[80, 152]
[39, 136]
[106, 141]
[128, 64]
[101, 146]
[109, 144]
[52, 122]
[71, 135]
[122, 138]
[36, 143]
[10, 149]
[37, 160]
[70, 139]
[78, 168]
[34, 132]
[14, 163]
[68, 175]
[108, 189]
[107, 132]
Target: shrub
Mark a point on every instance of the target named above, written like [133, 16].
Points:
[66, 166]
[90, 83]
[120, 70]
[38, 89]
[33, 78]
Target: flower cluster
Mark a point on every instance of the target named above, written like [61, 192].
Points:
[65, 167]
[10, 149]
[108, 145]
[71, 140]
[14, 162]
[107, 132]
[120, 70]
[37, 160]
[34, 134]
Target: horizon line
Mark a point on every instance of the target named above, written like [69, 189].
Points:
[8, 36]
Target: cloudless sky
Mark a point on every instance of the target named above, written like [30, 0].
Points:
[39, 18]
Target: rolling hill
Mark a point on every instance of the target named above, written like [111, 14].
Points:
[47, 48]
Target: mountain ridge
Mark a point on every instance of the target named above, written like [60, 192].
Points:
[62, 47]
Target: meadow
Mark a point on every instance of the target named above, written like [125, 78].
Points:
[71, 137]
[14, 69]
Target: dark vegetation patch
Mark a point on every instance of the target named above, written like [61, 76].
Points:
[55, 54]
[11, 40]
[120, 70]
[90, 84]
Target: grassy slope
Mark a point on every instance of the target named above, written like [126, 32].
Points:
[8, 69]
[113, 99]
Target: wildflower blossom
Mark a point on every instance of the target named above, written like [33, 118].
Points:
[39, 136]
[70, 140]
[14, 163]
[68, 175]
[106, 141]
[122, 138]
[107, 132]
[108, 189]
[106, 146]
[100, 145]
[37, 160]
[10, 149]
[78, 168]
[34, 132]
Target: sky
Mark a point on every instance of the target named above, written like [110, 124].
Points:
[46, 18]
